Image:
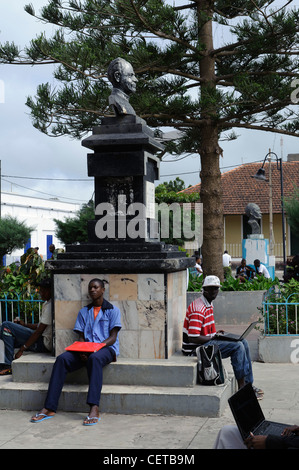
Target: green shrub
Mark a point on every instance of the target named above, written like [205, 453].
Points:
[232, 284]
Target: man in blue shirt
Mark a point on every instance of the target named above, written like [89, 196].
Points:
[98, 322]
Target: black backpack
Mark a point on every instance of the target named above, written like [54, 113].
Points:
[210, 370]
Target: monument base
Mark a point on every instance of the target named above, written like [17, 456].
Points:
[257, 247]
[147, 282]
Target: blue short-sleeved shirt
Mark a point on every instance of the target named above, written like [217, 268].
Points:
[99, 329]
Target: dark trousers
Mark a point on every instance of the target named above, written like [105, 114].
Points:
[71, 361]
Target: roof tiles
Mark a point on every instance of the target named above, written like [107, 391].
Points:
[239, 188]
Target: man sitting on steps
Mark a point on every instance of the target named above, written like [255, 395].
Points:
[199, 329]
[98, 322]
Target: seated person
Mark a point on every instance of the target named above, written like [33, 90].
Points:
[261, 269]
[292, 269]
[36, 337]
[198, 265]
[229, 437]
[199, 329]
[97, 322]
[243, 272]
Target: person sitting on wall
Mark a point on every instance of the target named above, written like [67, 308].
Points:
[292, 269]
[199, 329]
[97, 322]
[28, 337]
[261, 269]
[198, 265]
[244, 272]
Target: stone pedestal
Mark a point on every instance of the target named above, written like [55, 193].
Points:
[257, 247]
[145, 278]
[152, 308]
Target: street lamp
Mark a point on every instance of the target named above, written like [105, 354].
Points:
[260, 175]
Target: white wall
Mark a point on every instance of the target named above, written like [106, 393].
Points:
[38, 213]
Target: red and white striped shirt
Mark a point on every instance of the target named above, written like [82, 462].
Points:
[199, 321]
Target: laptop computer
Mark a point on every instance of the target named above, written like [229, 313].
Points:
[249, 416]
[235, 337]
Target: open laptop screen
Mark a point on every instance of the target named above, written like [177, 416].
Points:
[246, 410]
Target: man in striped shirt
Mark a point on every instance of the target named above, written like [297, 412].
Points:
[199, 328]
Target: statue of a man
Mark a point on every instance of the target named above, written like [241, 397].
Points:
[122, 76]
[254, 213]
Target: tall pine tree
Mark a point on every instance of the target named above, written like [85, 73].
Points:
[186, 79]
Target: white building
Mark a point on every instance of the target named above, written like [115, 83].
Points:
[40, 214]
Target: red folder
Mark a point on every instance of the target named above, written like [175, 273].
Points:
[82, 346]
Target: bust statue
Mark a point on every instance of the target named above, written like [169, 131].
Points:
[122, 76]
[254, 213]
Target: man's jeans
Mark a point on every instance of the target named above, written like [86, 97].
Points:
[71, 361]
[240, 357]
[14, 336]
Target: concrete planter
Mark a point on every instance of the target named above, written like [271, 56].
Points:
[279, 348]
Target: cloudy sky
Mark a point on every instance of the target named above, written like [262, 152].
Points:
[27, 153]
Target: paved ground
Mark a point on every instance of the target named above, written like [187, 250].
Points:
[132, 432]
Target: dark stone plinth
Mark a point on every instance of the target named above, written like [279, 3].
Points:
[117, 266]
[119, 132]
[124, 166]
[124, 162]
[122, 258]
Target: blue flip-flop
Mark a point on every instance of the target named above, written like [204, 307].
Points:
[89, 419]
[40, 420]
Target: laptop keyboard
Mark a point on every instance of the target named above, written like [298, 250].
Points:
[270, 428]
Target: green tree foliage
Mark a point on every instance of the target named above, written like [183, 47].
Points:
[169, 192]
[74, 229]
[202, 85]
[13, 235]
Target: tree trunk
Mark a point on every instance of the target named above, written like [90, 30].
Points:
[211, 192]
[211, 198]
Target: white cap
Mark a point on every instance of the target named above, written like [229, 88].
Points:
[211, 281]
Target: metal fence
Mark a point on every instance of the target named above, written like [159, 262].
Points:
[235, 249]
[280, 314]
[25, 307]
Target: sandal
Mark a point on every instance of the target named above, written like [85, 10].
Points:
[5, 372]
[258, 393]
[88, 423]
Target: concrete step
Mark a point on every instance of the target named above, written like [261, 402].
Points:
[178, 371]
[123, 399]
[165, 387]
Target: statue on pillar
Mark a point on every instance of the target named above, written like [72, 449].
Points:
[122, 77]
[254, 214]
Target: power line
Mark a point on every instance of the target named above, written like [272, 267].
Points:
[41, 192]
[47, 179]
[221, 168]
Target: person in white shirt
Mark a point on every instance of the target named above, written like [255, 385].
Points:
[226, 259]
[198, 265]
[261, 269]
